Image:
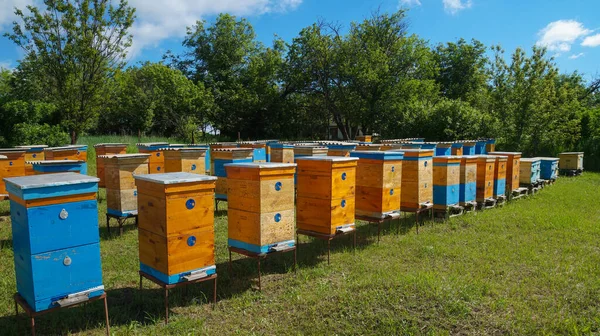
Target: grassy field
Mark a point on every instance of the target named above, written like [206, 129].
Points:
[531, 267]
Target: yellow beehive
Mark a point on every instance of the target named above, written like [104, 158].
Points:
[485, 177]
[156, 162]
[364, 138]
[32, 153]
[219, 145]
[457, 148]
[368, 147]
[188, 160]
[309, 150]
[468, 180]
[446, 181]
[513, 167]
[105, 149]
[71, 152]
[417, 178]
[340, 149]
[260, 205]
[378, 183]
[121, 193]
[12, 164]
[223, 156]
[259, 150]
[571, 161]
[176, 225]
[325, 193]
[282, 153]
[391, 146]
[500, 169]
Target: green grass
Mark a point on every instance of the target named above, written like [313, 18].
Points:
[531, 267]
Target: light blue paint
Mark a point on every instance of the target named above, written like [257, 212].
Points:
[52, 191]
[467, 192]
[499, 187]
[259, 154]
[221, 197]
[257, 248]
[446, 164]
[47, 277]
[375, 155]
[417, 158]
[548, 169]
[175, 278]
[468, 150]
[41, 229]
[74, 167]
[126, 213]
[446, 194]
[480, 147]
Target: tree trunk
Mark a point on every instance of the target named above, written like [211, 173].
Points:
[73, 137]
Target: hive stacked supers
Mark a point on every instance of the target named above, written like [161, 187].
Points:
[223, 156]
[57, 166]
[12, 164]
[443, 149]
[121, 193]
[156, 163]
[309, 150]
[446, 181]
[215, 146]
[513, 170]
[55, 238]
[490, 145]
[530, 171]
[72, 152]
[259, 150]
[571, 161]
[485, 177]
[260, 205]
[207, 158]
[340, 149]
[468, 180]
[378, 183]
[105, 149]
[417, 178]
[500, 169]
[548, 168]
[282, 153]
[176, 226]
[187, 160]
[326, 193]
[32, 153]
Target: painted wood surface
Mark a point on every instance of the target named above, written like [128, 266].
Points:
[282, 153]
[104, 149]
[12, 164]
[364, 138]
[58, 166]
[513, 169]
[417, 178]
[500, 169]
[548, 168]
[468, 179]
[485, 177]
[530, 171]
[446, 181]
[189, 160]
[571, 160]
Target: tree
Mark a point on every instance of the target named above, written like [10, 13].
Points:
[74, 47]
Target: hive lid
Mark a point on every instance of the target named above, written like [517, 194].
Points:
[67, 147]
[150, 144]
[530, 159]
[12, 150]
[377, 155]
[505, 153]
[446, 158]
[281, 145]
[305, 146]
[32, 146]
[547, 158]
[49, 180]
[327, 158]
[232, 149]
[186, 149]
[341, 146]
[110, 144]
[174, 178]
[3, 157]
[258, 165]
[54, 162]
[572, 153]
[125, 156]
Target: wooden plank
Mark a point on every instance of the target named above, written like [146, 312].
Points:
[260, 228]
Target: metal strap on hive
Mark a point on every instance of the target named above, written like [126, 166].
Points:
[344, 228]
[78, 297]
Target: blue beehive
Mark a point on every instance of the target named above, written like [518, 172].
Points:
[468, 180]
[457, 148]
[55, 238]
[446, 181]
[529, 171]
[429, 145]
[443, 149]
[58, 166]
[469, 148]
[548, 168]
[480, 147]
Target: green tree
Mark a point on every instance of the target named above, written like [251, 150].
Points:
[74, 47]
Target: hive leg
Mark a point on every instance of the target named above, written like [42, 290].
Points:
[229, 261]
[215, 292]
[108, 223]
[295, 260]
[259, 284]
[106, 315]
[166, 305]
[140, 282]
[32, 324]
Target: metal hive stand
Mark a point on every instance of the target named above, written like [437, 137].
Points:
[327, 237]
[379, 221]
[120, 221]
[424, 207]
[259, 256]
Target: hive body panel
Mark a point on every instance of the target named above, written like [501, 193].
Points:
[417, 178]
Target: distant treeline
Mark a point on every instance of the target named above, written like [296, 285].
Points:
[373, 76]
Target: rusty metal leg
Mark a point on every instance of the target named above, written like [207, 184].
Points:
[259, 284]
[215, 292]
[136, 221]
[16, 308]
[378, 231]
[32, 324]
[230, 262]
[328, 250]
[295, 260]
[120, 221]
[141, 282]
[106, 314]
[417, 221]
[108, 223]
[166, 305]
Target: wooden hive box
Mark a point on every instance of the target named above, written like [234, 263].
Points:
[32, 153]
[282, 153]
[156, 163]
[443, 149]
[309, 150]
[364, 138]
[417, 178]
[469, 148]
[105, 149]
[57, 166]
[260, 205]
[121, 193]
[490, 145]
[429, 145]
[12, 164]
[486, 166]
[412, 145]
[457, 148]
[391, 146]
[340, 149]
[269, 148]
[187, 160]
[529, 171]
[218, 145]
[480, 147]
[223, 156]
[368, 147]
[378, 183]
[468, 180]
[446, 181]
[71, 152]
[571, 161]
[325, 193]
[176, 226]
[500, 170]
[548, 168]
[513, 169]
[55, 238]
[259, 153]
[207, 158]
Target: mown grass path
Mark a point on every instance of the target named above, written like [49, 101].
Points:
[531, 267]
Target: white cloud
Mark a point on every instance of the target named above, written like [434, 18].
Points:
[576, 56]
[7, 11]
[560, 35]
[409, 3]
[455, 6]
[6, 65]
[591, 41]
[157, 21]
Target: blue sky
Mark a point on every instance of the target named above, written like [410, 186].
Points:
[569, 28]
